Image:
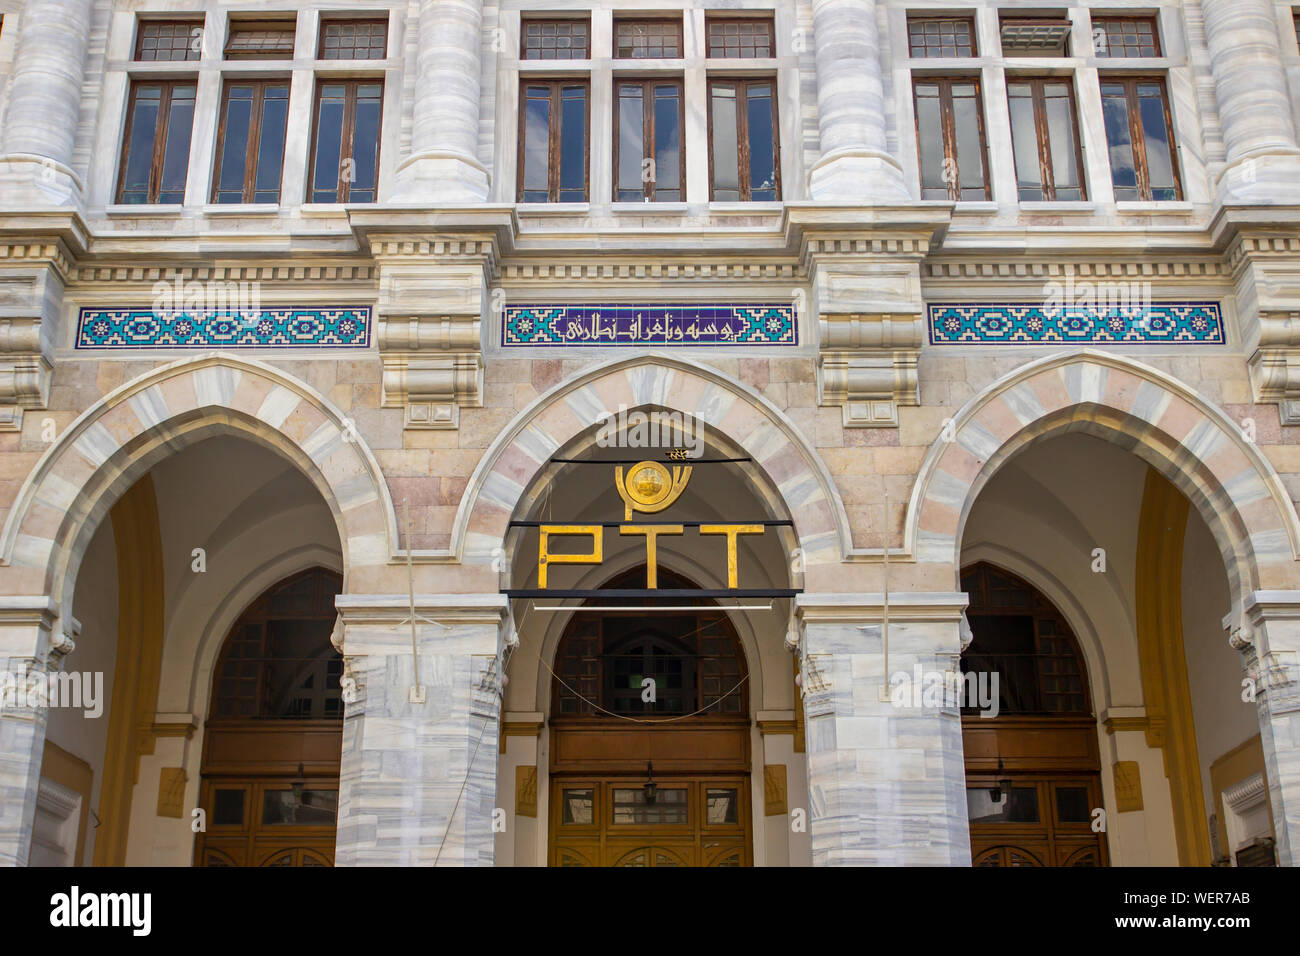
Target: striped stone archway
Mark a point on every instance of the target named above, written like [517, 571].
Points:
[790, 475]
[1202, 451]
[120, 438]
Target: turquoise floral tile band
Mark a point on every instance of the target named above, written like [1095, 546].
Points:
[1023, 323]
[287, 328]
[688, 325]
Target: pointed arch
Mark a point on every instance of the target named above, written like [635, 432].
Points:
[1195, 445]
[123, 435]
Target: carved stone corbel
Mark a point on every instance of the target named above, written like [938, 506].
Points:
[432, 304]
[31, 298]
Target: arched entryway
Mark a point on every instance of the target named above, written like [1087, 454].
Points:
[1033, 782]
[274, 732]
[650, 736]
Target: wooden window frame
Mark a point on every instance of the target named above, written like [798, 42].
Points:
[1138, 137]
[254, 148]
[553, 153]
[768, 21]
[1047, 171]
[327, 21]
[1103, 20]
[159, 135]
[189, 24]
[347, 135]
[523, 39]
[675, 23]
[948, 125]
[236, 24]
[970, 24]
[648, 141]
[742, 133]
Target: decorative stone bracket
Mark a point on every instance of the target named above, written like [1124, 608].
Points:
[432, 303]
[867, 297]
[31, 296]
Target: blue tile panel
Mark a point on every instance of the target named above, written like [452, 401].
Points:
[654, 325]
[287, 328]
[1025, 323]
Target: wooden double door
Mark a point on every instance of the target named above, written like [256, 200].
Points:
[683, 821]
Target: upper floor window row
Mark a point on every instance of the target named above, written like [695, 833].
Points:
[341, 38]
[251, 135]
[649, 38]
[1022, 35]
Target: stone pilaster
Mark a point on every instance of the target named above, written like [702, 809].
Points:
[29, 650]
[444, 166]
[1250, 85]
[855, 163]
[418, 777]
[40, 123]
[1271, 646]
[886, 780]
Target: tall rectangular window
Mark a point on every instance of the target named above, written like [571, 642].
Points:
[555, 40]
[648, 39]
[553, 141]
[1044, 136]
[744, 163]
[745, 38]
[353, 40]
[649, 158]
[1143, 163]
[950, 138]
[156, 145]
[345, 141]
[1125, 36]
[941, 36]
[250, 141]
[168, 40]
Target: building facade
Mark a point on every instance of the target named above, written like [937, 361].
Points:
[649, 432]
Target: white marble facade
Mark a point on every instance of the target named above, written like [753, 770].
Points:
[435, 417]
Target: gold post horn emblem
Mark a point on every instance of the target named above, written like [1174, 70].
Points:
[650, 487]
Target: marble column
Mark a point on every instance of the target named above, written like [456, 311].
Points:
[855, 165]
[1271, 647]
[418, 779]
[40, 124]
[443, 166]
[1263, 161]
[27, 651]
[886, 779]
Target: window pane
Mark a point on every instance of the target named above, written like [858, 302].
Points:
[555, 40]
[537, 139]
[762, 153]
[1061, 142]
[1160, 169]
[1125, 36]
[929, 127]
[234, 149]
[1072, 805]
[354, 40]
[1119, 140]
[573, 144]
[722, 806]
[1024, 139]
[726, 164]
[365, 143]
[329, 143]
[1018, 806]
[741, 39]
[970, 151]
[631, 120]
[141, 130]
[176, 151]
[270, 153]
[647, 39]
[577, 806]
[940, 37]
[170, 40]
[260, 40]
[311, 808]
[631, 806]
[668, 143]
[228, 808]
